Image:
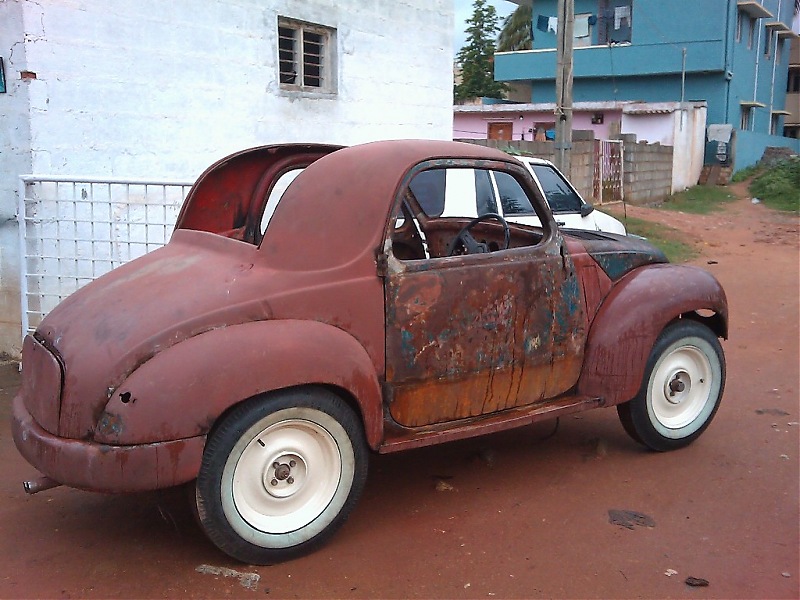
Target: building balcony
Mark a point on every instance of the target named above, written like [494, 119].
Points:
[623, 60]
[753, 9]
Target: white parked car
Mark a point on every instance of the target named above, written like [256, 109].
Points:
[477, 192]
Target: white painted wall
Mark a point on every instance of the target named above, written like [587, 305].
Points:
[650, 128]
[15, 158]
[689, 134]
[681, 127]
[160, 89]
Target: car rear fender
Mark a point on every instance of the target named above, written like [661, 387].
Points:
[631, 317]
[183, 390]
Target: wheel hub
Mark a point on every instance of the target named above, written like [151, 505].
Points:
[678, 386]
[284, 476]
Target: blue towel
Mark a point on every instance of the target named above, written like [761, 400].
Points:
[541, 22]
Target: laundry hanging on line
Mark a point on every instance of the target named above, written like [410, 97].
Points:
[581, 27]
[550, 24]
[622, 17]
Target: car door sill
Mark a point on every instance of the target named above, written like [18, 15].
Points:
[402, 438]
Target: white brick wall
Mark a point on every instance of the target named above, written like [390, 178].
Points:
[162, 89]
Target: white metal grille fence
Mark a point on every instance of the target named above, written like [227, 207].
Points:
[608, 175]
[72, 230]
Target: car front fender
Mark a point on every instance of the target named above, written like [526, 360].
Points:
[181, 391]
[631, 317]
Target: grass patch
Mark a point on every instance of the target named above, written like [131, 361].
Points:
[745, 173]
[700, 199]
[667, 239]
[779, 187]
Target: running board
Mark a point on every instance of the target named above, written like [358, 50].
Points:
[400, 438]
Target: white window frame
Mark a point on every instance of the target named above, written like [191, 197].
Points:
[307, 59]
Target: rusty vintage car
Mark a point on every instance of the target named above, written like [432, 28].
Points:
[264, 355]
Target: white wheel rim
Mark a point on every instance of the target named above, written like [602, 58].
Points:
[286, 476]
[681, 387]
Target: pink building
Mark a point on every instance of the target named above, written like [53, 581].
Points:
[677, 124]
[526, 121]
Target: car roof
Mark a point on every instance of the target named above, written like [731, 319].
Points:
[335, 212]
[533, 160]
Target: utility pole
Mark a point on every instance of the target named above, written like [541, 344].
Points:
[564, 36]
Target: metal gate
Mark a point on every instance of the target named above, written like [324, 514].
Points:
[608, 171]
[72, 230]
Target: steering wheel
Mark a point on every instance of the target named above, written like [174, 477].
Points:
[470, 244]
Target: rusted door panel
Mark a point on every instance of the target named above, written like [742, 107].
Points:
[475, 338]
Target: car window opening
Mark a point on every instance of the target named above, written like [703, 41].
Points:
[454, 211]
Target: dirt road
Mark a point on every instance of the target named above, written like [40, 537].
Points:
[523, 514]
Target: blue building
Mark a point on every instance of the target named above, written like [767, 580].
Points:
[733, 54]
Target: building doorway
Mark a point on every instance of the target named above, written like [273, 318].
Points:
[500, 131]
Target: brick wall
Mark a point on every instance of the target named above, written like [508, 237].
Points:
[583, 167]
[647, 171]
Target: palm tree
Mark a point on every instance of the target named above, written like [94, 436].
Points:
[517, 31]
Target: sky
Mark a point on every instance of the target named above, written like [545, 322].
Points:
[464, 12]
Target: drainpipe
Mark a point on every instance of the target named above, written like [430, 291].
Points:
[727, 62]
[776, 41]
[755, 79]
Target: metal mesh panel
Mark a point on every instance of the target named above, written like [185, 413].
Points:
[75, 230]
[608, 178]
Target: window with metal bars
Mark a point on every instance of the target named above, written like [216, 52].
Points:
[305, 59]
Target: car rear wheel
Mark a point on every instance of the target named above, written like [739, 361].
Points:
[681, 389]
[280, 474]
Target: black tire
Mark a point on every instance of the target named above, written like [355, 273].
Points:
[280, 474]
[681, 389]
[624, 414]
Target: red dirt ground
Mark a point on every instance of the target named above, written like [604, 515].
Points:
[523, 514]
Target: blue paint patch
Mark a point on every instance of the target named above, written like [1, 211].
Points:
[407, 346]
[110, 425]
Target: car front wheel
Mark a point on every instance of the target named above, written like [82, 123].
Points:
[280, 474]
[681, 390]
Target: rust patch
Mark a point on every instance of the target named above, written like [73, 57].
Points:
[432, 402]
[471, 339]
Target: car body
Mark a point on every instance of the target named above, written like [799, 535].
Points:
[567, 205]
[265, 359]
[470, 192]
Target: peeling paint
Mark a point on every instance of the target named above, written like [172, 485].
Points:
[471, 340]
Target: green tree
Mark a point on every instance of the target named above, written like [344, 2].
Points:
[517, 33]
[476, 57]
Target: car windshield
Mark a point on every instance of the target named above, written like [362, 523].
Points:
[512, 196]
[560, 195]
